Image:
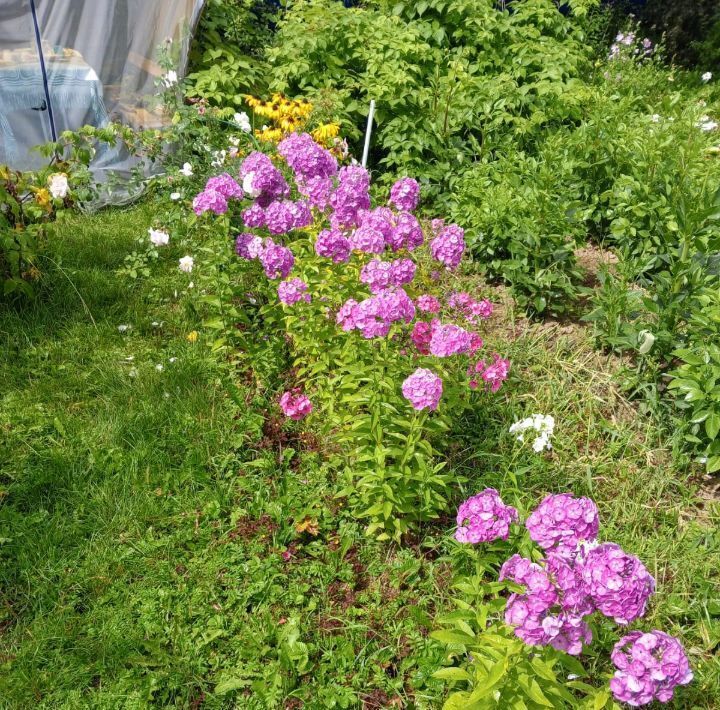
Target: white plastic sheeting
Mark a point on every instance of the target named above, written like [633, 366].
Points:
[101, 64]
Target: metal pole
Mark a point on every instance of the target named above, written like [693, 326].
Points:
[368, 133]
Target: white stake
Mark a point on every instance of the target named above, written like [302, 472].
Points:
[368, 132]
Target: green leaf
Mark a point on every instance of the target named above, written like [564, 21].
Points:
[452, 674]
[712, 425]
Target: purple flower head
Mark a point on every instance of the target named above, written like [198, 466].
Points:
[402, 271]
[226, 186]
[377, 275]
[318, 190]
[331, 244]
[254, 216]
[262, 180]
[542, 615]
[368, 240]
[493, 374]
[292, 291]
[449, 340]
[448, 246]
[346, 315]
[248, 246]
[279, 217]
[618, 583]
[210, 201]
[405, 194]
[306, 158]
[484, 518]
[276, 259]
[423, 389]
[421, 336]
[649, 667]
[406, 234]
[295, 405]
[427, 304]
[302, 216]
[561, 522]
[350, 196]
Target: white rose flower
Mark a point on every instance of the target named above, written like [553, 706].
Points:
[158, 237]
[170, 79]
[186, 170]
[243, 121]
[706, 76]
[58, 185]
[186, 264]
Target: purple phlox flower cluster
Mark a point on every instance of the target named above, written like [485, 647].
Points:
[376, 274]
[209, 201]
[332, 244]
[617, 582]
[449, 339]
[368, 239]
[448, 246]
[437, 225]
[493, 374]
[350, 196]
[649, 667]
[318, 190]
[406, 233]
[427, 304]
[561, 522]
[484, 518]
[402, 271]
[421, 336]
[306, 158]
[292, 291]
[543, 615]
[423, 389]
[471, 309]
[254, 216]
[262, 180]
[226, 186]
[295, 405]
[276, 259]
[374, 316]
[405, 194]
[381, 274]
[248, 246]
[282, 216]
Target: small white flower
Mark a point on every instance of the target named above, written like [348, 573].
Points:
[123, 328]
[706, 124]
[172, 359]
[218, 158]
[191, 285]
[58, 186]
[656, 118]
[158, 237]
[706, 76]
[159, 367]
[186, 170]
[702, 103]
[133, 372]
[243, 121]
[170, 79]
[186, 264]
[543, 425]
[175, 196]
[234, 141]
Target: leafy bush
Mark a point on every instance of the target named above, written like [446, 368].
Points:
[227, 59]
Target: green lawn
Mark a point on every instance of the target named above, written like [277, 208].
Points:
[164, 542]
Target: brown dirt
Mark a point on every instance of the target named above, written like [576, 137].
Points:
[591, 258]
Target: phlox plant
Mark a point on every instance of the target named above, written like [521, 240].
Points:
[383, 349]
[552, 598]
